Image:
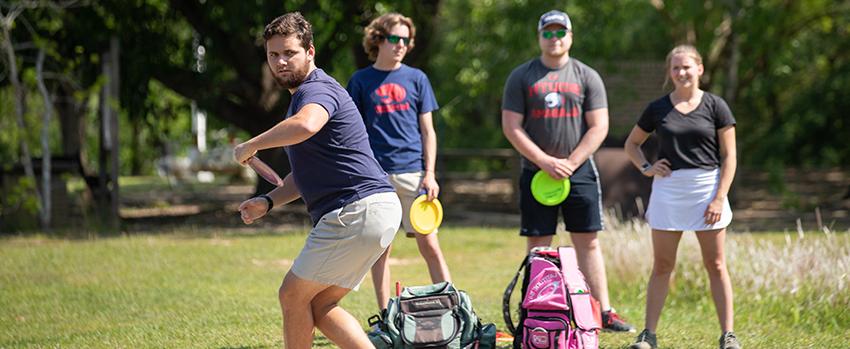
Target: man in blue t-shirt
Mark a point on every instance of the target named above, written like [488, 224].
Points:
[354, 210]
[396, 101]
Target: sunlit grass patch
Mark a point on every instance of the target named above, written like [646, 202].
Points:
[199, 288]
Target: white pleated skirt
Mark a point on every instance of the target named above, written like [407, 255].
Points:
[679, 201]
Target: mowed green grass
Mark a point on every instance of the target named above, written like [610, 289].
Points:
[218, 289]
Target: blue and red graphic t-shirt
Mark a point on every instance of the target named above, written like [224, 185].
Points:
[391, 102]
[335, 166]
[553, 103]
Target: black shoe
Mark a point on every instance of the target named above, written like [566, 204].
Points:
[612, 322]
[645, 340]
[729, 341]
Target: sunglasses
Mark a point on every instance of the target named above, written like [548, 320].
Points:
[394, 39]
[560, 34]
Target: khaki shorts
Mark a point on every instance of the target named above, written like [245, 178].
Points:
[347, 241]
[407, 187]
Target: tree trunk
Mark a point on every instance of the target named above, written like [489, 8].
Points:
[20, 105]
[115, 94]
[70, 114]
[136, 146]
[108, 201]
[731, 88]
[46, 205]
[426, 20]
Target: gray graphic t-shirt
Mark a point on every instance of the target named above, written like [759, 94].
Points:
[553, 103]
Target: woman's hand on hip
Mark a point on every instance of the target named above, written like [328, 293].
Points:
[659, 168]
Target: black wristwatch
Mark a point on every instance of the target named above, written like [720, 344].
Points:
[645, 167]
[268, 200]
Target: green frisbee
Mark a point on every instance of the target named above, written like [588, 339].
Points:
[547, 190]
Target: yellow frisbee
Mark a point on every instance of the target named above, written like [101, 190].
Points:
[426, 216]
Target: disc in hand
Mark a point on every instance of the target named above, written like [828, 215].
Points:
[265, 171]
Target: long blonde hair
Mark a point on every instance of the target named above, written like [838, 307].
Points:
[689, 50]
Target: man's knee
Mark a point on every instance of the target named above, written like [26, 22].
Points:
[290, 295]
[326, 301]
[539, 241]
[429, 248]
[585, 241]
[320, 309]
[287, 296]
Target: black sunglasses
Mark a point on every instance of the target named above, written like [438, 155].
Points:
[560, 34]
[394, 39]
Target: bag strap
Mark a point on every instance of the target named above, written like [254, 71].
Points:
[579, 293]
[506, 298]
[374, 320]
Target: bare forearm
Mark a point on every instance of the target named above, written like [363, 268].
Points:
[635, 154]
[287, 132]
[525, 146]
[296, 129]
[513, 131]
[429, 150]
[285, 194]
[589, 143]
[728, 166]
[728, 160]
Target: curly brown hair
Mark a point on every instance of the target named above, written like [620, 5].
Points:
[380, 27]
[292, 23]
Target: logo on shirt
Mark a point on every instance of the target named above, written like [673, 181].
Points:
[390, 98]
[553, 100]
[545, 87]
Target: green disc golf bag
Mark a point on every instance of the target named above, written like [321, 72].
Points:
[432, 316]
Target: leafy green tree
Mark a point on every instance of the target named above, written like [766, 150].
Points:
[781, 64]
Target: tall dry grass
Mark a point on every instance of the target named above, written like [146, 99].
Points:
[811, 267]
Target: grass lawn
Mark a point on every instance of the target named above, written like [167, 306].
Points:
[218, 289]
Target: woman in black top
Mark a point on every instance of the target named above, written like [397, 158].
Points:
[692, 177]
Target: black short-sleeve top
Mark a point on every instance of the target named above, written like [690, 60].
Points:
[688, 140]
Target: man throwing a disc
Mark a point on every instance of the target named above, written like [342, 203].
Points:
[354, 210]
[555, 113]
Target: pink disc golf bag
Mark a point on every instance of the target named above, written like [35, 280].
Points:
[557, 309]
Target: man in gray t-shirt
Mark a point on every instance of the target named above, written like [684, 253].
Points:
[555, 113]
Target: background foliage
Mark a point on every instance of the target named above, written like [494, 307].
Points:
[782, 65]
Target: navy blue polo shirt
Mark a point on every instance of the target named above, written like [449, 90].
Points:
[336, 166]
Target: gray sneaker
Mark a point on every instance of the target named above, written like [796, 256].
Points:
[645, 340]
[729, 341]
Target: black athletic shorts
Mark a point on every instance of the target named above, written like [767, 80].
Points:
[582, 209]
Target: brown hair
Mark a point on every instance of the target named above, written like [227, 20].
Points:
[689, 50]
[292, 23]
[380, 27]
